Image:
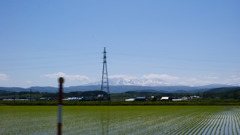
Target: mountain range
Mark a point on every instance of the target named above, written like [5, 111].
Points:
[137, 82]
[121, 85]
[120, 88]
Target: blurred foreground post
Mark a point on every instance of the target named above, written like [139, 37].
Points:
[60, 96]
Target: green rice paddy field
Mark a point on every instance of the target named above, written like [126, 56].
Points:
[121, 120]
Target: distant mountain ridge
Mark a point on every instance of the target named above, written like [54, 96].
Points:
[137, 82]
[223, 93]
[120, 88]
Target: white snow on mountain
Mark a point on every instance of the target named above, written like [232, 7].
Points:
[140, 82]
[147, 80]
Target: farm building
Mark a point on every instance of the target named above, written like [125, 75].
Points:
[176, 99]
[194, 97]
[165, 99]
[185, 98]
[74, 98]
[130, 99]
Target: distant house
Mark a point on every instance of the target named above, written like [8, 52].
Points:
[184, 98]
[74, 98]
[165, 99]
[15, 99]
[130, 99]
[43, 99]
[194, 97]
[100, 96]
[176, 99]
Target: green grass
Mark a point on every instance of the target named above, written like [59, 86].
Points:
[120, 120]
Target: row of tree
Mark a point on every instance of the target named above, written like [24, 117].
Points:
[219, 93]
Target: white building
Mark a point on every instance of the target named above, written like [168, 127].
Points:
[165, 98]
[130, 99]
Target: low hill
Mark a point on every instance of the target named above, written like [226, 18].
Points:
[223, 93]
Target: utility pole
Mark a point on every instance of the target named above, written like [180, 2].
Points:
[105, 83]
[60, 96]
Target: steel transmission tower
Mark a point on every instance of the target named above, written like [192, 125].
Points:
[105, 83]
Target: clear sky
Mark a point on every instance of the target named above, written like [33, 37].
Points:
[181, 42]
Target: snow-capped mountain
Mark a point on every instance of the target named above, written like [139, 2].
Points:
[137, 82]
[133, 81]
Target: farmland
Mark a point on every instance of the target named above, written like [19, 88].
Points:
[121, 120]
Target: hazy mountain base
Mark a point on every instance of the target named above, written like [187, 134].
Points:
[118, 88]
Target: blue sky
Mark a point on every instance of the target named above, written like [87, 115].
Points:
[180, 42]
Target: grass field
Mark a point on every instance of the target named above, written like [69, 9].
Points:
[121, 120]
